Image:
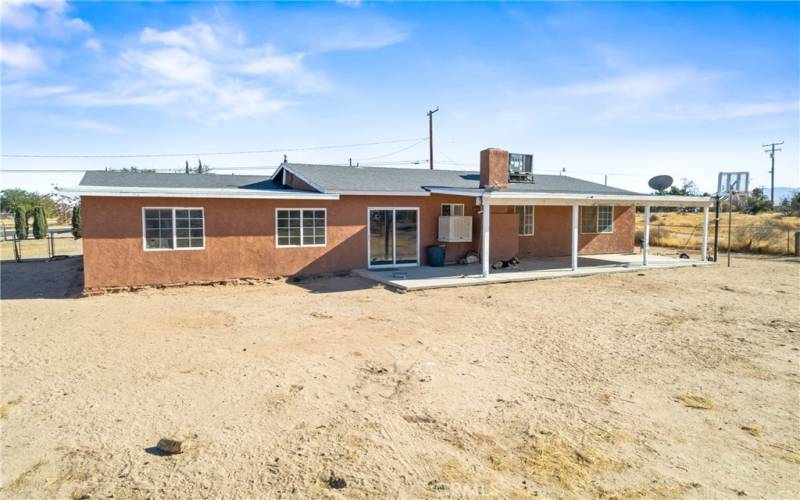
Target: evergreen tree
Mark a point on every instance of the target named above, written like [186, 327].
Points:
[77, 230]
[21, 223]
[39, 223]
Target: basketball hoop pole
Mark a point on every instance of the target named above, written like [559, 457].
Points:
[730, 224]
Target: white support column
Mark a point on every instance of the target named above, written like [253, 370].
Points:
[574, 237]
[704, 251]
[646, 237]
[487, 210]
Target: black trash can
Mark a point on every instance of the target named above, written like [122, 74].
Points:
[436, 254]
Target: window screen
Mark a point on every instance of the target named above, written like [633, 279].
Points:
[452, 209]
[158, 228]
[588, 219]
[605, 219]
[173, 228]
[597, 219]
[188, 228]
[301, 227]
[525, 216]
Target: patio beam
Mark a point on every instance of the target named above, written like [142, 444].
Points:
[574, 237]
[646, 236]
[487, 212]
[704, 251]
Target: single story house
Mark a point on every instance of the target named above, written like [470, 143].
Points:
[162, 228]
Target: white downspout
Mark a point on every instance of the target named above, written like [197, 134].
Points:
[574, 237]
[646, 236]
[485, 235]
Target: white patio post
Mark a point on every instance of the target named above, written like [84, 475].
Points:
[485, 238]
[646, 236]
[574, 237]
[704, 251]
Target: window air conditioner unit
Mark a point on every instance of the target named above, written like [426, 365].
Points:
[455, 229]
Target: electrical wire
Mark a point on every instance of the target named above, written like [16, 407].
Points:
[259, 151]
[394, 152]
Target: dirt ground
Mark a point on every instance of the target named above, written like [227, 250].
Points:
[668, 383]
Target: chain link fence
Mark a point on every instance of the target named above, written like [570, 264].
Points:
[59, 242]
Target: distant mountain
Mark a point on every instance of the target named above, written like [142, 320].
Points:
[781, 193]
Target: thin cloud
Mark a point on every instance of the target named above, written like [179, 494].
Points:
[93, 44]
[95, 126]
[640, 85]
[48, 18]
[21, 56]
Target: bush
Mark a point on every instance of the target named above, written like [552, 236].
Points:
[39, 223]
[21, 223]
[77, 231]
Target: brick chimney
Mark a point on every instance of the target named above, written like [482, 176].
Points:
[494, 167]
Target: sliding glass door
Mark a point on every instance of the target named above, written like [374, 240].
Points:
[393, 237]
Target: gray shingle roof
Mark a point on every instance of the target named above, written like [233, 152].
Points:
[337, 178]
[160, 180]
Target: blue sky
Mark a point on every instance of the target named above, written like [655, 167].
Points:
[627, 90]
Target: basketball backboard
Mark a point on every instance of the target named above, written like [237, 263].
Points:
[733, 183]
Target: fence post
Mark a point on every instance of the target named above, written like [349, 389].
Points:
[17, 252]
[797, 243]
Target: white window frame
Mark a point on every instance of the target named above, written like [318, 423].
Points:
[174, 232]
[451, 205]
[520, 230]
[301, 245]
[597, 219]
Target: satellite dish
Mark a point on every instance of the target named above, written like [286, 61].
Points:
[660, 182]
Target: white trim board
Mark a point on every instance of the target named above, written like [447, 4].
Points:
[141, 192]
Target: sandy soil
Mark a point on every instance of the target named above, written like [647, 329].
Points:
[670, 383]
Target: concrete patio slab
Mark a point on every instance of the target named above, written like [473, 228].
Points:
[425, 277]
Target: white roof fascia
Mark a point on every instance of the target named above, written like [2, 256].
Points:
[472, 193]
[196, 193]
[509, 198]
[383, 193]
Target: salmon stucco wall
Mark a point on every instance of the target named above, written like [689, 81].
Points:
[552, 234]
[240, 239]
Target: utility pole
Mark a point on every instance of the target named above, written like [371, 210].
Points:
[430, 134]
[771, 150]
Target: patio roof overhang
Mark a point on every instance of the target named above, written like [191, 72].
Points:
[499, 197]
[489, 197]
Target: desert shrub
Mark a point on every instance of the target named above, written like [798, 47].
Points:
[77, 230]
[39, 223]
[21, 223]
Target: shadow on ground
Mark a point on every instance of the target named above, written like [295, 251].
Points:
[332, 284]
[41, 279]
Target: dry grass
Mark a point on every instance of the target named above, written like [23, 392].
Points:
[754, 430]
[37, 249]
[769, 233]
[695, 401]
[5, 408]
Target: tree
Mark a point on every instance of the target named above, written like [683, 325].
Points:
[756, 202]
[21, 223]
[11, 199]
[792, 204]
[77, 230]
[39, 223]
[688, 188]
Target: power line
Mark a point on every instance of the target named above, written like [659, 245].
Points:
[394, 152]
[250, 152]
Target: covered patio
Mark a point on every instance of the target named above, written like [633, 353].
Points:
[426, 277]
